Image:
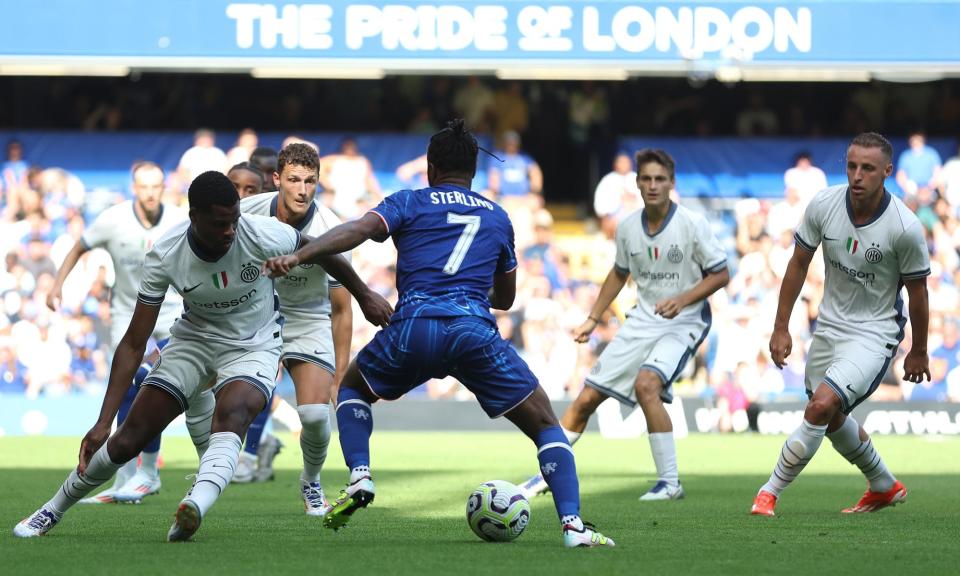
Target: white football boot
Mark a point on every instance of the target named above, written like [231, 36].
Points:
[587, 537]
[140, 485]
[536, 485]
[246, 469]
[270, 446]
[314, 501]
[663, 491]
[36, 524]
[185, 522]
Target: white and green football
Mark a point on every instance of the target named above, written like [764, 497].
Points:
[497, 511]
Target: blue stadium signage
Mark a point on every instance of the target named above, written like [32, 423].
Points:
[636, 36]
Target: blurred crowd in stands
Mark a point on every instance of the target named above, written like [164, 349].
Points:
[563, 260]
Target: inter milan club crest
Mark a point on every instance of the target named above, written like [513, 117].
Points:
[675, 254]
[250, 273]
[596, 369]
[873, 254]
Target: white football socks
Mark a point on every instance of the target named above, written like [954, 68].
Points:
[76, 487]
[148, 463]
[199, 418]
[572, 437]
[796, 452]
[314, 438]
[846, 440]
[216, 469]
[124, 473]
[664, 452]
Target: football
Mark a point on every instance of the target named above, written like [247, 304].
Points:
[497, 511]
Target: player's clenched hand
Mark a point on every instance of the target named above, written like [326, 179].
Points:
[376, 309]
[915, 366]
[780, 346]
[668, 307]
[53, 300]
[91, 443]
[280, 265]
[582, 332]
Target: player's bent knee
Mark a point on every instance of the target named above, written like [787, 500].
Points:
[648, 387]
[820, 411]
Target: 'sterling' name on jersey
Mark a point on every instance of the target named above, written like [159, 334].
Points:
[454, 197]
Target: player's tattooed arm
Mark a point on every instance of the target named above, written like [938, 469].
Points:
[917, 364]
[126, 361]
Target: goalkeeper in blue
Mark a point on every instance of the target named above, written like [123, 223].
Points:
[455, 261]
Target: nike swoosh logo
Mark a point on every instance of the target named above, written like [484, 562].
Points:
[192, 288]
[318, 351]
[261, 375]
[830, 239]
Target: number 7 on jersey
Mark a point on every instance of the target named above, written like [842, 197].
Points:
[471, 227]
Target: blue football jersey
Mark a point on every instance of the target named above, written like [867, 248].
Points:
[450, 242]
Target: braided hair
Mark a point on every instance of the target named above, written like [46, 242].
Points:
[454, 149]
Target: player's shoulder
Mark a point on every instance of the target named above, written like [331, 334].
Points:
[258, 203]
[118, 212]
[171, 239]
[904, 219]
[324, 218]
[830, 197]
[632, 222]
[174, 213]
[688, 215]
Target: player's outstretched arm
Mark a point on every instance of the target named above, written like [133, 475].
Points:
[56, 292]
[339, 239]
[611, 286]
[780, 342]
[917, 364]
[375, 307]
[126, 360]
[670, 307]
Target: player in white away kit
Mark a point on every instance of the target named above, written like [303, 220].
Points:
[229, 333]
[873, 245]
[318, 319]
[127, 232]
[677, 262]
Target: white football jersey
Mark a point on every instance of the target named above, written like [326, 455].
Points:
[865, 265]
[305, 291]
[668, 263]
[225, 300]
[118, 231]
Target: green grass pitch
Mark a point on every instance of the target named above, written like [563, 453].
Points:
[417, 524]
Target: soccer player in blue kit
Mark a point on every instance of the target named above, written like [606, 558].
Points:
[455, 261]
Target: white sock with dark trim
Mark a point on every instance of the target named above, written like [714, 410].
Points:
[216, 470]
[796, 452]
[861, 453]
[314, 439]
[77, 486]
